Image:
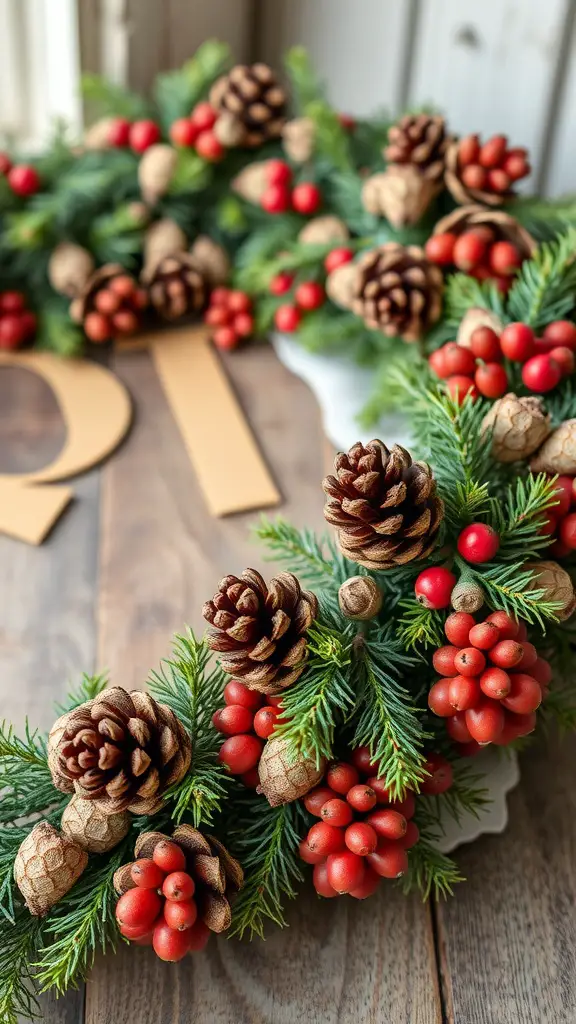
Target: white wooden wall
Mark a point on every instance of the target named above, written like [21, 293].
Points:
[490, 65]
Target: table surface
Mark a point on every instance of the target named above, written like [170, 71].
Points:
[130, 562]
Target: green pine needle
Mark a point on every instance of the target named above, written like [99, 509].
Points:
[310, 558]
[88, 689]
[545, 289]
[18, 941]
[419, 627]
[431, 873]
[519, 518]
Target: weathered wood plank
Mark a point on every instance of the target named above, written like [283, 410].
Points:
[508, 938]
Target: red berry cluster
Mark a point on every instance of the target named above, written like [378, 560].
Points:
[196, 132]
[17, 323]
[160, 911]
[560, 523]
[247, 722]
[307, 295]
[477, 252]
[117, 309]
[230, 314]
[493, 680]
[23, 179]
[478, 369]
[280, 196]
[492, 166]
[139, 135]
[362, 835]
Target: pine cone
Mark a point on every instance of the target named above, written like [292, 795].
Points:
[473, 318]
[360, 598]
[402, 194]
[341, 285]
[87, 824]
[518, 425]
[110, 296]
[121, 749]
[558, 453]
[46, 867]
[211, 260]
[324, 230]
[215, 872]
[421, 141]
[156, 170]
[556, 584]
[299, 139]
[253, 96]
[69, 268]
[177, 287]
[504, 228]
[284, 778]
[259, 630]
[383, 505]
[398, 291]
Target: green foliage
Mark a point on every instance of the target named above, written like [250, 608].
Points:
[467, 795]
[177, 92]
[108, 99]
[18, 942]
[25, 780]
[463, 292]
[330, 138]
[430, 872]
[419, 627]
[305, 87]
[519, 517]
[545, 288]
[311, 559]
[506, 587]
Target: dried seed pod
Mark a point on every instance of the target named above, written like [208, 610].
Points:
[156, 170]
[211, 259]
[556, 584]
[467, 596]
[360, 598]
[251, 182]
[283, 777]
[97, 135]
[401, 193]
[46, 867]
[323, 230]
[474, 318]
[229, 130]
[558, 453]
[69, 269]
[85, 822]
[518, 425]
[341, 285]
[299, 137]
[163, 238]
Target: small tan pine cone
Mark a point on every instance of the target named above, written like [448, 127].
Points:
[211, 259]
[299, 137]
[155, 171]
[284, 778]
[46, 867]
[323, 230]
[85, 822]
[163, 238]
[474, 318]
[341, 285]
[558, 453]
[518, 425]
[401, 194]
[556, 584]
[229, 130]
[360, 598]
[251, 182]
[467, 596]
[69, 269]
[97, 135]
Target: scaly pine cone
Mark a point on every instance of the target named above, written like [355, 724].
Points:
[46, 867]
[383, 505]
[556, 584]
[398, 291]
[259, 630]
[419, 140]
[252, 96]
[558, 453]
[518, 425]
[177, 287]
[121, 749]
[87, 824]
[400, 193]
[216, 874]
[284, 778]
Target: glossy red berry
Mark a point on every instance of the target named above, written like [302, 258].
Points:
[361, 838]
[170, 945]
[380, 788]
[504, 258]
[517, 342]
[541, 671]
[278, 172]
[491, 380]
[146, 874]
[181, 915]
[506, 653]
[337, 812]
[240, 753]
[119, 132]
[287, 318]
[178, 886]
[411, 837]
[561, 332]
[484, 635]
[387, 823]
[316, 798]
[485, 344]
[143, 134]
[308, 855]
[440, 248]
[321, 883]
[468, 150]
[515, 164]
[507, 625]
[443, 660]
[474, 176]
[440, 775]
[469, 250]
[565, 359]
[459, 387]
[251, 778]
[361, 798]
[458, 360]
[568, 531]
[525, 694]
[434, 587]
[341, 777]
[138, 908]
[243, 325]
[236, 692]
[325, 839]
[529, 657]
[541, 373]
[12, 330]
[281, 283]
[437, 363]
[469, 661]
[457, 628]
[137, 934]
[498, 180]
[439, 699]
[405, 807]
[183, 132]
[463, 692]
[368, 886]
[362, 760]
[457, 729]
[495, 683]
[563, 493]
[306, 198]
[492, 152]
[309, 295]
[204, 116]
[389, 860]
[265, 721]
[337, 258]
[478, 543]
[209, 147]
[23, 179]
[486, 721]
[345, 871]
[169, 856]
[233, 719]
[276, 199]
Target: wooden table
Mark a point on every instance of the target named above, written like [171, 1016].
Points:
[132, 561]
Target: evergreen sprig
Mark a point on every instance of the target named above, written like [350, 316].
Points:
[519, 518]
[88, 688]
[507, 587]
[19, 940]
[419, 627]
[545, 288]
[312, 559]
[430, 872]
[466, 795]
[25, 780]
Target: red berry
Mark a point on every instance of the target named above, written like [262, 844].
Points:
[443, 661]
[433, 587]
[463, 692]
[309, 295]
[287, 318]
[457, 628]
[474, 176]
[146, 874]
[470, 661]
[561, 332]
[437, 363]
[484, 635]
[469, 749]
[125, 321]
[478, 543]
[458, 387]
[458, 359]
[134, 934]
[486, 721]
[12, 302]
[468, 150]
[209, 147]
[541, 671]
[308, 855]
[495, 683]
[504, 258]
[405, 807]
[204, 116]
[506, 653]
[347, 121]
[239, 302]
[168, 944]
[217, 316]
[240, 753]
[281, 284]
[515, 164]
[169, 857]
[341, 777]
[123, 285]
[515, 726]
[321, 883]
[183, 132]
[106, 301]
[565, 359]
[387, 823]
[507, 625]
[5, 163]
[517, 342]
[525, 694]
[469, 250]
[361, 838]
[278, 172]
[219, 296]
[181, 915]
[492, 152]
[306, 198]
[439, 699]
[522, 634]
[491, 380]
[236, 692]
[325, 839]
[380, 788]
[143, 134]
[485, 344]
[370, 883]
[541, 373]
[412, 836]
[337, 258]
[361, 798]
[362, 759]
[563, 492]
[345, 871]
[567, 529]
[440, 775]
[251, 778]
[498, 180]
[178, 886]
[440, 248]
[337, 812]
[529, 657]
[389, 860]
[456, 728]
[23, 180]
[264, 721]
[198, 936]
[316, 798]
[28, 324]
[276, 199]
[233, 719]
[138, 908]
[12, 330]
[119, 132]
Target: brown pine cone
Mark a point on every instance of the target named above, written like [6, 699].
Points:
[121, 749]
[286, 776]
[252, 95]
[259, 630]
[46, 867]
[217, 875]
[398, 291]
[383, 505]
[502, 226]
[177, 287]
[419, 140]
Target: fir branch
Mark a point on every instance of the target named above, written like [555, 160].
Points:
[10, 841]
[19, 941]
[25, 780]
[88, 689]
[299, 549]
[466, 795]
[265, 839]
[559, 705]
[462, 292]
[520, 517]
[177, 92]
[107, 98]
[419, 626]
[506, 588]
[430, 872]
[305, 87]
[545, 288]
[330, 138]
